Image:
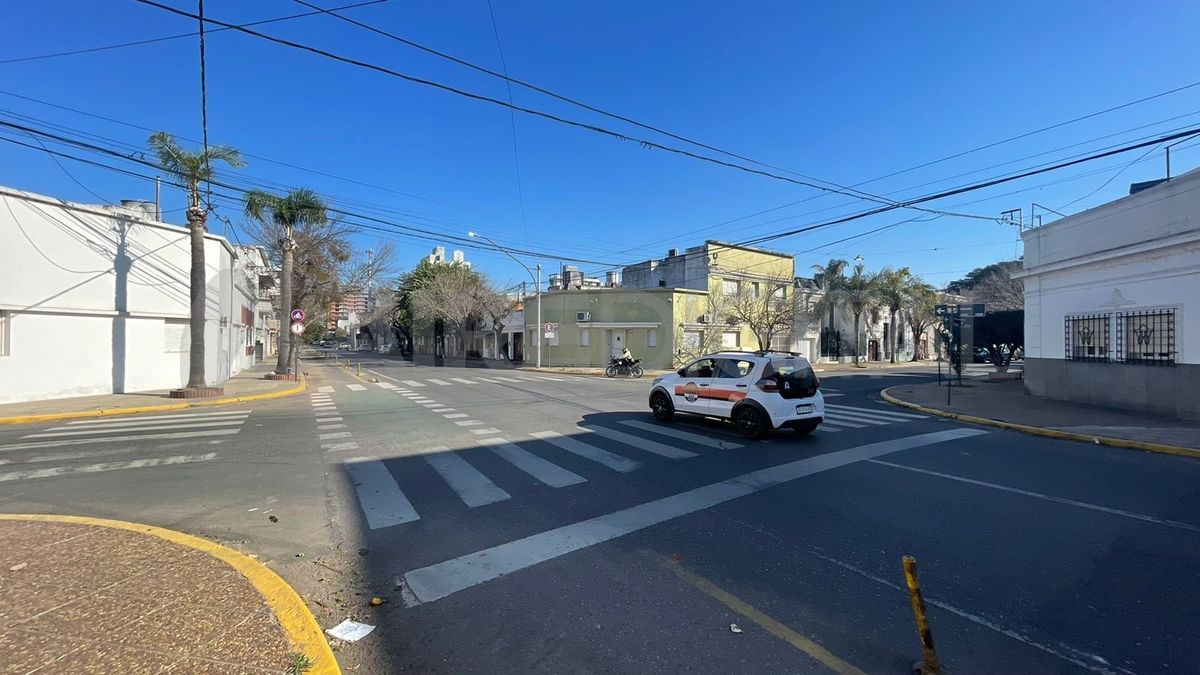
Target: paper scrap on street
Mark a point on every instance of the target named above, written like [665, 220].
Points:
[733, 628]
[350, 631]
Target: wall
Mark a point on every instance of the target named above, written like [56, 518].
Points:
[93, 296]
[635, 311]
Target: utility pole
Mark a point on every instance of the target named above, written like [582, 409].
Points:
[158, 195]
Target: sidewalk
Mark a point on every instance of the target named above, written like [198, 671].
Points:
[593, 372]
[1007, 403]
[247, 385]
[82, 595]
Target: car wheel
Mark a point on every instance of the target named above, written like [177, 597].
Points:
[660, 405]
[806, 427]
[637, 371]
[610, 371]
[751, 423]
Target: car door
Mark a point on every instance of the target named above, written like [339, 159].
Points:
[730, 384]
[691, 388]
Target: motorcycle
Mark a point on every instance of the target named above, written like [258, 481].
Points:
[626, 367]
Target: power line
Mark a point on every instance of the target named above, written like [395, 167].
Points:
[204, 102]
[180, 36]
[512, 118]
[646, 143]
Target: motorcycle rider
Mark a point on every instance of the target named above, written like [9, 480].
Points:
[626, 356]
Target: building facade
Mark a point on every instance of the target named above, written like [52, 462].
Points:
[95, 300]
[1111, 314]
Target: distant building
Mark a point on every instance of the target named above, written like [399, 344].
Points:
[354, 305]
[1111, 310]
[438, 255]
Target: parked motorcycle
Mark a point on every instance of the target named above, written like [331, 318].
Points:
[624, 367]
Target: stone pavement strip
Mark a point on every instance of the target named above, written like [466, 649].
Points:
[81, 595]
[1007, 402]
[247, 385]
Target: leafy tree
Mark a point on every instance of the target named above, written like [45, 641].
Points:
[920, 299]
[194, 168]
[860, 292]
[892, 286]
[992, 285]
[831, 277]
[404, 318]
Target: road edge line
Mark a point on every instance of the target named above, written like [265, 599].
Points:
[1145, 446]
[136, 410]
[293, 615]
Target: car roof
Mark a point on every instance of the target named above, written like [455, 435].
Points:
[750, 356]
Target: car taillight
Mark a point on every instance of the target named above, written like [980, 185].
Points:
[816, 384]
[768, 385]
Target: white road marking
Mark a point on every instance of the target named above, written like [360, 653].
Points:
[325, 408]
[156, 427]
[325, 389]
[336, 447]
[385, 385]
[382, 502]
[114, 439]
[356, 387]
[67, 456]
[1050, 498]
[386, 377]
[328, 419]
[472, 487]
[441, 382]
[840, 423]
[446, 578]
[412, 383]
[485, 432]
[552, 379]
[668, 451]
[681, 435]
[455, 416]
[139, 419]
[825, 426]
[828, 395]
[507, 379]
[858, 419]
[469, 423]
[547, 472]
[463, 380]
[528, 379]
[412, 395]
[430, 404]
[487, 379]
[55, 471]
[330, 427]
[575, 446]
[334, 435]
[885, 413]
[441, 410]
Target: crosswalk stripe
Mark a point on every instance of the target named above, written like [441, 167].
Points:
[843, 423]
[826, 426]
[485, 432]
[611, 460]
[386, 385]
[332, 436]
[441, 410]
[472, 487]
[412, 383]
[330, 427]
[681, 435]
[440, 382]
[860, 419]
[455, 416]
[552, 379]
[153, 427]
[114, 439]
[335, 447]
[430, 404]
[831, 425]
[640, 443]
[527, 379]
[54, 471]
[547, 472]
[468, 423]
[828, 395]
[382, 502]
[463, 380]
[325, 389]
[328, 419]
[884, 413]
[142, 420]
[356, 387]
[507, 379]
[487, 379]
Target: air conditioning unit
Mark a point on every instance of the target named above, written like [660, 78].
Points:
[706, 318]
[583, 316]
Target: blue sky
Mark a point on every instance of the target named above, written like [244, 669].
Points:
[843, 93]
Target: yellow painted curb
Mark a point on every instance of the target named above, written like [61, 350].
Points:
[301, 626]
[108, 412]
[1043, 431]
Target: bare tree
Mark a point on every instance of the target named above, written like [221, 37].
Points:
[919, 300]
[456, 295]
[765, 307]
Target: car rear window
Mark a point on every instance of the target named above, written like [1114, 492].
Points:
[796, 373]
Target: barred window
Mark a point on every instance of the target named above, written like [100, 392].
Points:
[1087, 337]
[1146, 337]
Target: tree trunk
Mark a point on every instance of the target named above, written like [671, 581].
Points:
[285, 306]
[857, 342]
[895, 333]
[916, 342]
[199, 288]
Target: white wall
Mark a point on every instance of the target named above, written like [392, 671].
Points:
[89, 295]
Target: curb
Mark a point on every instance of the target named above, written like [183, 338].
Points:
[1145, 446]
[109, 412]
[297, 622]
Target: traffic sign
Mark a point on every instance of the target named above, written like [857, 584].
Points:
[297, 314]
[297, 328]
[550, 329]
[942, 310]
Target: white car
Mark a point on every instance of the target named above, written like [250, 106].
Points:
[758, 391]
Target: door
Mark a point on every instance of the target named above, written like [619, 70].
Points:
[692, 387]
[730, 384]
[873, 350]
[618, 342]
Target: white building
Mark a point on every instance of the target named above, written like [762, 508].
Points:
[94, 300]
[1111, 310]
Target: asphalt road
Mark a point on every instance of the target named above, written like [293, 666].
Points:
[522, 522]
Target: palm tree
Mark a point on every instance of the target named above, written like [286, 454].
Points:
[831, 277]
[194, 168]
[919, 299]
[860, 292]
[893, 286]
[300, 208]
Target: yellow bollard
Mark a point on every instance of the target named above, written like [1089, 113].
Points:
[929, 664]
[359, 367]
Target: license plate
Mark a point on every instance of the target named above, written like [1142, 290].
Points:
[803, 409]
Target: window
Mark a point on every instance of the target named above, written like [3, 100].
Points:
[757, 290]
[730, 286]
[734, 368]
[731, 339]
[652, 338]
[585, 338]
[691, 339]
[1087, 337]
[780, 293]
[1146, 337]
[176, 335]
[4, 321]
[701, 368]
